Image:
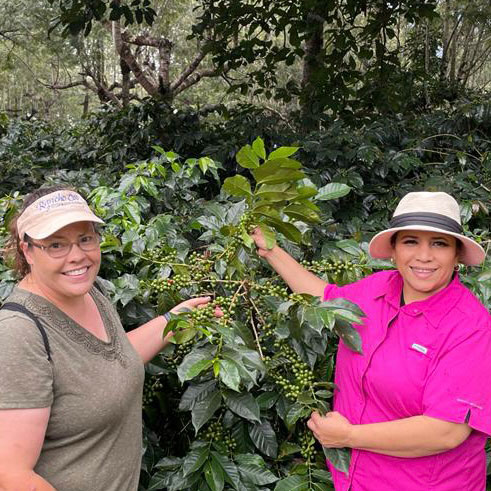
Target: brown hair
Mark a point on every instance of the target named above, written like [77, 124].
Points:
[12, 253]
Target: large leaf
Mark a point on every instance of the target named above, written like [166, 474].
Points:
[237, 186]
[281, 175]
[258, 147]
[229, 374]
[246, 157]
[192, 362]
[350, 246]
[264, 438]
[339, 457]
[256, 474]
[202, 411]
[333, 190]
[195, 459]
[293, 483]
[269, 235]
[282, 152]
[231, 473]
[302, 213]
[287, 229]
[196, 393]
[342, 303]
[350, 336]
[214, 475]
[243, 405]
[317, 317]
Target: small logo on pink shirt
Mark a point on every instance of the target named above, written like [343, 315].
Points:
[419, 348]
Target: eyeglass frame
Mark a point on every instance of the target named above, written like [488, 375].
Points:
[44, 248]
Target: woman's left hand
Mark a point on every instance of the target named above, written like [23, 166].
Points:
[193, 303]
[332, 430]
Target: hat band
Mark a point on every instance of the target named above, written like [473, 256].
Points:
[427, 219]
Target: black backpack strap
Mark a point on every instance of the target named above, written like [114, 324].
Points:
[16, 307]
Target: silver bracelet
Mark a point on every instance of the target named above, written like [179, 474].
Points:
[167, 316]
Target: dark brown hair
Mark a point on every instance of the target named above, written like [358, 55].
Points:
[12, 253]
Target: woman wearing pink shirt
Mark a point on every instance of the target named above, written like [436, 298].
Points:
[415, 407]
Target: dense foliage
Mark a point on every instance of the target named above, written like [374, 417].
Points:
[225, 406]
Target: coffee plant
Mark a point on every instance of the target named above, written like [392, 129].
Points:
[226, 403]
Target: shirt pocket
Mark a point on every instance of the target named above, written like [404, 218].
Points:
[419, 358]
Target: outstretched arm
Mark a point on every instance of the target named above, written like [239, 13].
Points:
[148, 340]
[293, 273]
[417, 436]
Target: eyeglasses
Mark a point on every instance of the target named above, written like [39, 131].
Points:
[61, 248]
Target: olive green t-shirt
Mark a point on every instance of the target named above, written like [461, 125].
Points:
[94, 389]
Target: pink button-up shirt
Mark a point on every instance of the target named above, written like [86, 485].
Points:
[431, 357]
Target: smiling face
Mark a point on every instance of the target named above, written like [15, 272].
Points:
[426, 261]
[66, 277]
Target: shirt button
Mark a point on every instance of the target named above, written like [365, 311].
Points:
[415, 311]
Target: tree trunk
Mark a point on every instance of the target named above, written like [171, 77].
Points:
[311, 63]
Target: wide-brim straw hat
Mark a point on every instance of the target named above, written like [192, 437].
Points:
[427, 211]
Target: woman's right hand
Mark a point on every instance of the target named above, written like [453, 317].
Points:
[261, 247]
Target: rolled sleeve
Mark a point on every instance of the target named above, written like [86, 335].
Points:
[26, 375]
[458, 388]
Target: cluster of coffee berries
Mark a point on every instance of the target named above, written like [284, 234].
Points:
[307, 448]
[271, 289]
[180, 351]
[160, 256]
[330, 266]
[151, 388]
[214, 432]
[294, 377]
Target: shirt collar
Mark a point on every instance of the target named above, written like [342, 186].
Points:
[434, 308]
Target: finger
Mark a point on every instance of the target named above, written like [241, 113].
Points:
[196, 302]
[218, 312]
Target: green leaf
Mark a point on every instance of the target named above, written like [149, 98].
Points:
[282, 152]
[181, 337]
[243, 405]
[350, 246]
[267, 400]
[302, 213]
[281, 175]
[205, 409]
[350, 336]
[198, 367]
[269, 235]
[248, 240]
[316, 317]
[231, 473]
[194, 460]
[256, 474]
[293, 483]
[196, 393]
[342, 303]
[339, 457]
[214, 475]
[264, 438]
[333, 190]
[296, 412]
[185, 370]
[287, 448]
[258, 147]
[287, 229]
[237, 186]
[229, 374]
[276, 192]
[246, 157]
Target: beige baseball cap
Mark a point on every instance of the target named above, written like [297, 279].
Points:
[54, 211]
